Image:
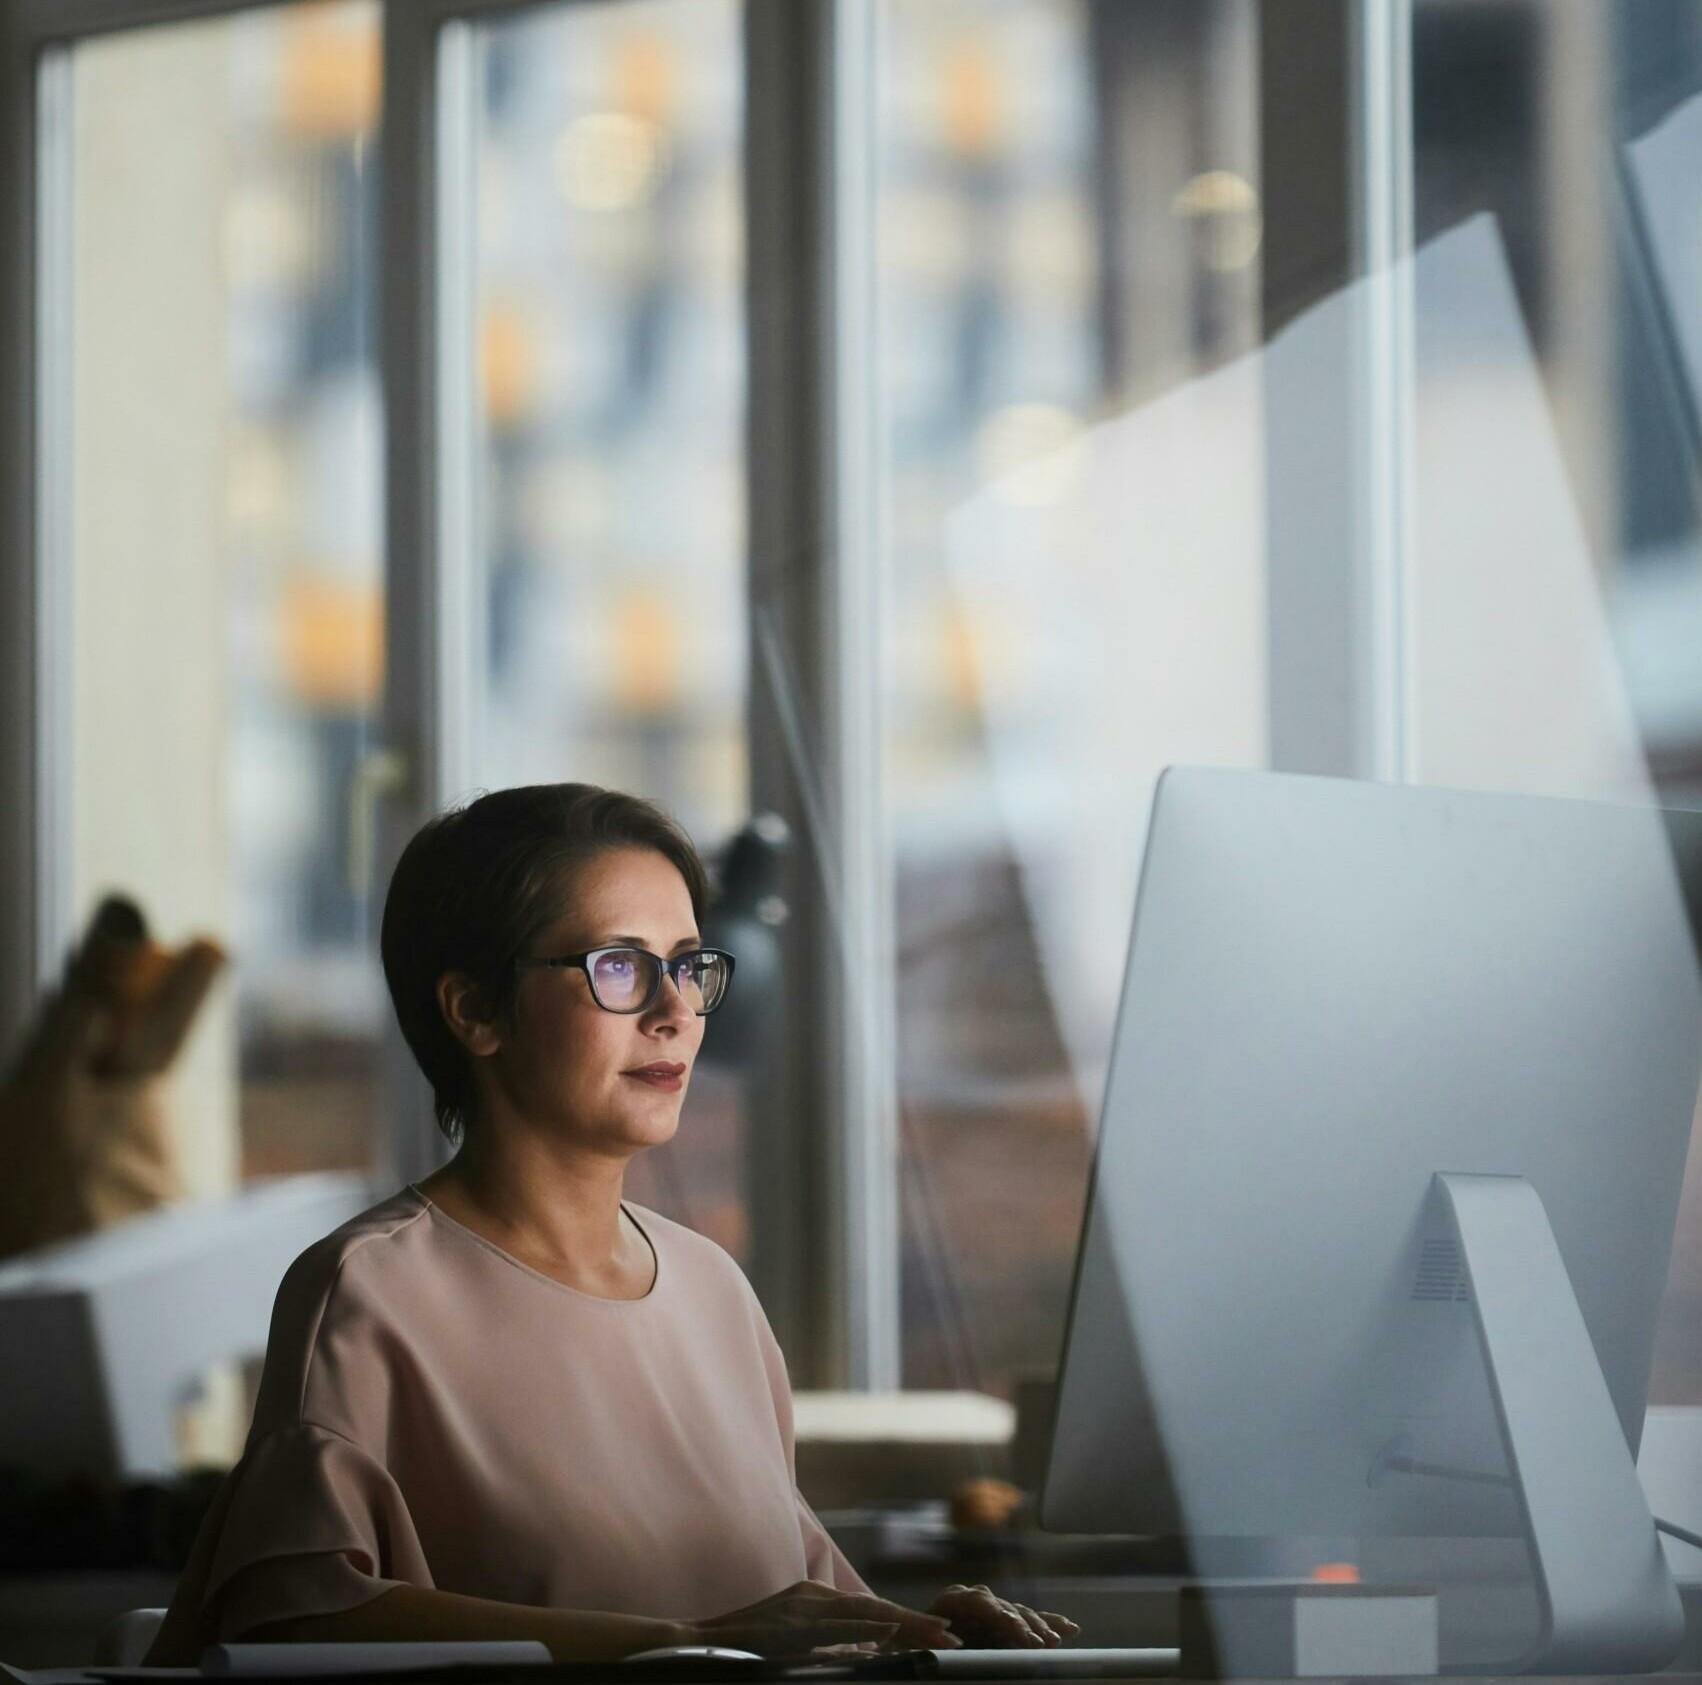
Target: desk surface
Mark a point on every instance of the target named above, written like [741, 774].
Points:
[81, 1676]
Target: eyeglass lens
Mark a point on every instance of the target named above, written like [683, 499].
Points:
[625, 979]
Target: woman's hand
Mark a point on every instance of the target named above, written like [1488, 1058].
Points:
[809, 1615]
[985, 1622]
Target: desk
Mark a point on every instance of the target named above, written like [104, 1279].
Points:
[54, 1620]
[71, 1676]
[1124, 1592]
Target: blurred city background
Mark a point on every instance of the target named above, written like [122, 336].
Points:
[1083, 492]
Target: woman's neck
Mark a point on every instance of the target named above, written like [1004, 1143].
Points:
[556, 1210]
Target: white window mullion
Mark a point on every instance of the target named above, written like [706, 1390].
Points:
[52, 560]
[420, 732]
[1389, 380]
[457, 606]
[869, 1136]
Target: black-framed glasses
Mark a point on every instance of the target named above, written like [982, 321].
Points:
[627, 980]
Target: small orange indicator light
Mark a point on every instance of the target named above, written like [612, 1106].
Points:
[1336, 1573]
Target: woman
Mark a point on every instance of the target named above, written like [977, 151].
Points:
[505, 1404]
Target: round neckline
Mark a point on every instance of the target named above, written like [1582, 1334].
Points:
[507, 1257]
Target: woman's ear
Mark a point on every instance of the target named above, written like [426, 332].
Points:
[464, 1010]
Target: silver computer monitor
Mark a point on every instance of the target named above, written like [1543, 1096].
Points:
[1375, 1044]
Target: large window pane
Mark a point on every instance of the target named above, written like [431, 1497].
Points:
[609, 339]
[1069, 233]
[226, 621]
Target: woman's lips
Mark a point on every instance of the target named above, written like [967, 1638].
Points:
[669, 1078]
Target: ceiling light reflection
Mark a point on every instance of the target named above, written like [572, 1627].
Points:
[1225, 208]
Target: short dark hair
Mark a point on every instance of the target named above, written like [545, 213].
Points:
[474, 887]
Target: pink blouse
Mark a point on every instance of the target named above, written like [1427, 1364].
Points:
[435, 1413]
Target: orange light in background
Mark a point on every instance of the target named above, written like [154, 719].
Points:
[974, 102]
[507, 364]
[961, 660]
[647, 653]
[331, 637]
[1336, 1574]
[646, 76]
[332, 75]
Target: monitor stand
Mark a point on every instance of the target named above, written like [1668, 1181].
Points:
[1607, 1601]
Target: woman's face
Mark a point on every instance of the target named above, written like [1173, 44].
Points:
[561, 1060]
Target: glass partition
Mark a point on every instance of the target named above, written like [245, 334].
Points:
[1091, 526]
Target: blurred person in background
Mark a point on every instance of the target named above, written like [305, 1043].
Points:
[85, 1129]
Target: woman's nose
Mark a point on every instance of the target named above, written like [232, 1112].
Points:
[670, 1005]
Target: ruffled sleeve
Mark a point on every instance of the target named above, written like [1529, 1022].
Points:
[825, 1560]
[306, 1524]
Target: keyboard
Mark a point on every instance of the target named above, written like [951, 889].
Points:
[1062, 1663]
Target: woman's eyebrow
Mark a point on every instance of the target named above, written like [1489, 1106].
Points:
[638, 942]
